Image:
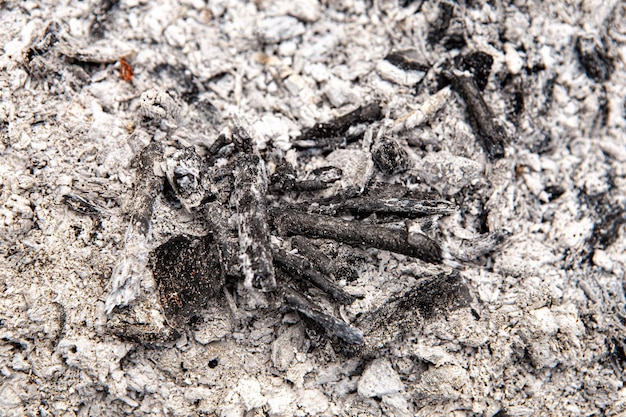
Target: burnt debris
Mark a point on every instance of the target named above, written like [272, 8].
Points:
[382, 205]
[592, 56]
[479, 65]
[487, 128]
[429, 298]
[389, 156]
[334, 326]
[407, 60]
[81, 205]
[300, 268]
[101, 17]
[291, 222]
[314, 136]
[188, 274]
[447, 30]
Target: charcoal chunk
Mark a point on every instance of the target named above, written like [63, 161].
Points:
[594, 60]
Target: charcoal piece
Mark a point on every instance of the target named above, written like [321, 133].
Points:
[185, 173]
[407, 60]
[487, 128]
[454, 41]
[597, 64]
[293, 222]
[428, 299]
[250, 190]
[554, 191]
[321, 261]
[385, 205]
[80, 205]
[336, 327]
[479, 65]
[227, 244]
[440, 27]
[300, 268]
[514, 90]
[283, 179]
[323, 178]
[147, 186]
[340, 125]
[187, 272]
[325, 145]
[610, 218]
[389, 156]
[221, 148]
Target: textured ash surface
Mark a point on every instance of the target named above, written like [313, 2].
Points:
[539, 326]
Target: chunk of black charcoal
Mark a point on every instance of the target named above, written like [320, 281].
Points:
[188, 274]
[429, 298]
[596, 63]
[479, 65]
[487, 128]
[292, 222]
[408, 60]
[340, 125]
[440, 26]
[389, 156]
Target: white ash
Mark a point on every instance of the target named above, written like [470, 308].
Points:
[545, 315]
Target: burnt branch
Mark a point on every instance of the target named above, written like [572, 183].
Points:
[291, 222]
[487, 128]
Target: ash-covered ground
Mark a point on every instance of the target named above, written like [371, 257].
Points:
[534, 326]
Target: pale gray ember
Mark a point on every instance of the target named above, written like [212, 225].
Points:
[471, 154]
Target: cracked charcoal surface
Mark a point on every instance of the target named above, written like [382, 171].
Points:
[534, 328]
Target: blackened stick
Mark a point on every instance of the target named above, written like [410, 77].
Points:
[489, 131]
[332, 324]
[249, 196]
[293, 222]
[301, 268]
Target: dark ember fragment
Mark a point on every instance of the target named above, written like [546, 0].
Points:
[283, 179]
[333, 325]
[454, 41]
[479, 65]
[291, 222]
[300, 268]
[429, 298]
[340, 125]
[439, 28]
[384, 205]
[597, 64]
[513, 89]
[487, 128]
[188, 274]
[80, 205]
[250, 184]
[147, 186]
[554, 191]
[322, 178]
[606, 230]
[321, 261]
[389, 156]
[407, 60]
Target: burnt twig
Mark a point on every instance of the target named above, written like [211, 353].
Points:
[340, 125]
[489, 131]
[299, 267]
[335, 326]
[293, 222]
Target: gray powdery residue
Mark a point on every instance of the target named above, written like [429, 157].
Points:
[533, 328]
